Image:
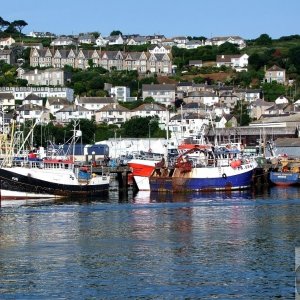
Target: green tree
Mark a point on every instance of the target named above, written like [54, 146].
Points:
[139, 127]
[79, 88]
[228, 48]
[116, 32]
[263, 40]
[19, 25]
[240, 111]
[105, 131]
[3, 24]
[149, 100]
[11, 29]
[294, 57]
[256, 61]
[273, 90]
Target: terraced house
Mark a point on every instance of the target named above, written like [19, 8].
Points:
[143, 62]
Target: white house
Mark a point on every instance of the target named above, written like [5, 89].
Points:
[151, 110]
[6, 42]
[33, 112]
[113, 114]
[155, 39]
[219, 110]
[207, 98]
[227, 121]
[120, 93]
[193, 44]
[239, 62]
[7, 101]
[94, 103]
[50, 76]
[22, 92]
[159, 49]
[180, 41]
[187, 124]
[196, 63]
[54, 104]
[275, 73]
[71, 112]
[86, 39]
[115, 40]
[161, 93]
[138, 40]
[63, 41]
[33, 99]
[218, 41]
[249, 95]
[101, 41]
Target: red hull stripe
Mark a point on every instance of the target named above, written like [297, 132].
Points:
[141, 170]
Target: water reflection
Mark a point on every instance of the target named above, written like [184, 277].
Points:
[201, 197]
[147, 197]
[153, 246]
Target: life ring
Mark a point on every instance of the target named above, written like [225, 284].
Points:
[224, 176]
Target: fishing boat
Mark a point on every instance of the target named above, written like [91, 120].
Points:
[285, 171]
[142, 167]
[34, 176]
[205, 169]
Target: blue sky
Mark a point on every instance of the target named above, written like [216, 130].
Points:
[209, 18]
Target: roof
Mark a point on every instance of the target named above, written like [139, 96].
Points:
[150, 107]
[195, 62]
[201, 94]
[32, 107]
[278, 118]
[36, 71]
[6, 52]
[228, 117]
[72, 108]
[6, 96]
[193, 105]
[287, 142]
[158, 87]
[188, 116]
[114, 107]
[227, 58]
[99, 100]
[277, 106]
[56, 101]
[33, 97]
[260, 102]
[225, 38]
[275, 68]
[184, 84]
[248, 91]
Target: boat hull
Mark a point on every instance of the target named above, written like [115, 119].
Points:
[284, 178]
[204, 179]
[141, 171]
[20, 186]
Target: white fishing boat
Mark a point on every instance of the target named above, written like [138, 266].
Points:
[31, 176]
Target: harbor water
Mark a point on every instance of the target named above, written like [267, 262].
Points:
[238, 245]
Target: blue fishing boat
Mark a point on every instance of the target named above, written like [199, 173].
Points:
[205, 169]
[284, 178]
[286, 171]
